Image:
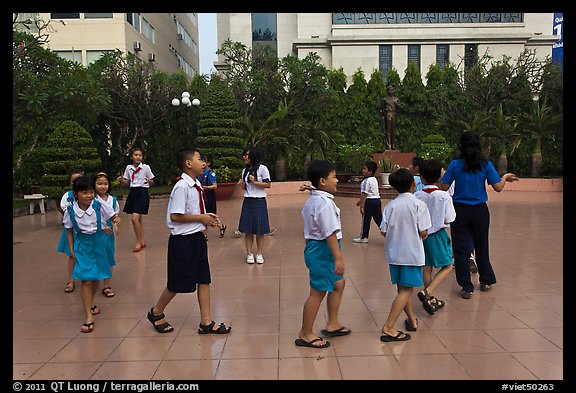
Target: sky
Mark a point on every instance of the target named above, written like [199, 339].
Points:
[208, 44]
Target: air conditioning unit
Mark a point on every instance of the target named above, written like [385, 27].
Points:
[180, 36]
[137, 46]
[151, 57]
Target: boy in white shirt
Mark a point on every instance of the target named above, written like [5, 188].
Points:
[405, 223]
[370, 205]
[323, 256]
[437, 246]
[188, 266]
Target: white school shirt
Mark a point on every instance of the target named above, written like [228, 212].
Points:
[439, 205]
[402, 219]
[262, 175]
[145, 172]
[321, 216]
[184, 199]
[86, 219]
[370, 187]
[64, 201]
[109, 202]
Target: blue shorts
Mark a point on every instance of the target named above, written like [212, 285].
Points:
[438, 249]
[407, 276]
[320, 263]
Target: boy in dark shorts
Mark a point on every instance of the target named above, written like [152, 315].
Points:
[188, 265]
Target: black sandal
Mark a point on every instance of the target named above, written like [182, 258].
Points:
[159, 328]
[438, 304]
[425, 299]
[223, 231]
[206, 329]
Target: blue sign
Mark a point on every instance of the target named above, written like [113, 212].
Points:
[558, 46]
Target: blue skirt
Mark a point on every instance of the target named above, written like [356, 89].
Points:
[254, 216]
[92, 257]
[63, 246]
[111, 243]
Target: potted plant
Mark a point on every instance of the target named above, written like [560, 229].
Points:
[386, 167]
[226, 183]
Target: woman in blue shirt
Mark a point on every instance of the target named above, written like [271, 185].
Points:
[471, 171]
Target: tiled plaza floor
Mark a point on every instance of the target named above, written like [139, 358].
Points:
[513, 332]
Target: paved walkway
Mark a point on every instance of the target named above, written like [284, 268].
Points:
[513, 332]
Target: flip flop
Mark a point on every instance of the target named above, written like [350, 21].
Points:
[310, 344]
[87, 327]
[95, 310]
[388, 338]
[69, 287]
[409, 326]
[108, 292]
[136, 249]
[336, 333]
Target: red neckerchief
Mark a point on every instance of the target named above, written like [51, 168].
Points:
[429, 190]
[134, 172]
[201, 197]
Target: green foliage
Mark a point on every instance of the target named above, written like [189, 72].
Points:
[435, 146]
[351, 158]
[68, 147]
[224, 175]
[385, 165]
[218, 133]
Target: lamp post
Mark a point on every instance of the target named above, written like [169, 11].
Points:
[185, 100]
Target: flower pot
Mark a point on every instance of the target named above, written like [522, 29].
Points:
[225, 191]
[384, 177]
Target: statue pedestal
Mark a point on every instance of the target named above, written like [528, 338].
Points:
[396, 156]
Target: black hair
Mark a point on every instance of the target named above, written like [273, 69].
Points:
[252, 169]
[136, 149]
[319, 169]
[430, 170]
[184, 154]
[471, 152]
[102, 174]
[82, 183]
[371, 166]
[207, 158]
[401, 180]
[75, 171]
[417, 161]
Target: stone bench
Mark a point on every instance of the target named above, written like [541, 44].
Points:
[36, 198]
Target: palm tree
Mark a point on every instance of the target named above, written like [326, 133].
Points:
[505, 131]
[539, 123]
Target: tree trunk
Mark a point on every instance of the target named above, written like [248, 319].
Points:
[502, 166]
[280, 166]
[536, 160]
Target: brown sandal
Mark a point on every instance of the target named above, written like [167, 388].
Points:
[69, 287]
[108, 292]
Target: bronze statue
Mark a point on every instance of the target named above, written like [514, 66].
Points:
[389, 106]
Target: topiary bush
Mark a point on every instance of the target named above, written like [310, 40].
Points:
[68, 147]
[218, 131]
[435, 146]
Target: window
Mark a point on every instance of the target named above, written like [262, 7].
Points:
[264, 30]
[134, 19]
[442, 55]
[385, 59]
[148, 31]
[470, 55]
[414, 55]
[65, 15]
[98, 15]
[93, 55]
[72, 55]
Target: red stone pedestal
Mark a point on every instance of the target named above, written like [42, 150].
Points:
[396, 156]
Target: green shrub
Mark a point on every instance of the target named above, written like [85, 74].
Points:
[435, 146]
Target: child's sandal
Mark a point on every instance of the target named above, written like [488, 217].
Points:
[87, 327]
[108, 292]
[206, 329]
[69, 287]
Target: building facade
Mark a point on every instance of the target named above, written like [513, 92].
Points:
[168, 40]
[390, 40]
